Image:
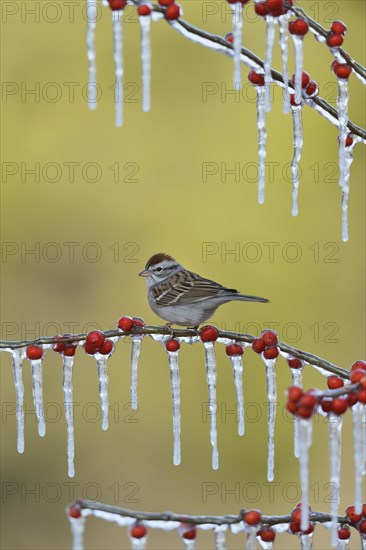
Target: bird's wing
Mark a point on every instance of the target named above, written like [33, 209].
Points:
[186, 288]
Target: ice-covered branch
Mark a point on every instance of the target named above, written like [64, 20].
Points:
[177, 333]
[319, 517]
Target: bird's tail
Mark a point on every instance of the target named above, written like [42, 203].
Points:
[246, 298]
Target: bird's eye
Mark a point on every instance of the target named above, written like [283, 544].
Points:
[159, 269]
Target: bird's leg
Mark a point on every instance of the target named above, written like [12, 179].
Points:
[169, 327]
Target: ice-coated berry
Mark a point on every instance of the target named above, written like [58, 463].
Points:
[299, 27]
[258, 345]
[209, 334]
[125, 323]
[172, 345]
[252, 517]
[234, 349]
[34, 352]
[269, 338]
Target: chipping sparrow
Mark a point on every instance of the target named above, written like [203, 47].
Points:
[182, 297]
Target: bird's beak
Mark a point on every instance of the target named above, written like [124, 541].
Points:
[144, 273]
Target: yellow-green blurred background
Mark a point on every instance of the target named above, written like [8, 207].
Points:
[161, 203]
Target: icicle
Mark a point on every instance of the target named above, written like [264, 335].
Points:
[296, 376]
[189, 544]
[363, 541]
[342, 544]
[272, 402]
[344, 155]
[103, 387]
[91, 16]
[299, 61]
[17, 356]
[335, 426]
[175, 388]
[265, 545]
[283, 40]
[77, 532]
[211, 383]
[357, 416]
[270, 37]
[145, 23]
[117, 21]
[295, 168]
[304, 431]
[68, 363]
[138, 544]
[135, 355]
[251, 533]
[306, 542]
[237, 43]
[220, 537]
[237, 364]
[38, 394]
[262, 140]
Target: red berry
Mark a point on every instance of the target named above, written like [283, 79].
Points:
[351, 514]
[334, 40]
[190, 534]
[359, 365]
[326, 405]
[342, 70]
[143, 9]
[349, 140]
[172, 345]
[338, 27]
[295, 363]
[271, 352]
[258, 345]
[138, 531]
[34, 352]
[356, 375]
[138, 322]
[309, 530]
[304, 412]
[312, 88]
[334, 382]
[294, 527]
[339, 405]
[293, 101]
[106, 348]
[234, 349]
[275, 7]
[256, 78]
[94, 339]
[362, 527]
[269, 338]
[344, 533]
[69, 351]
[363, 383]
[165, 2]
[291, 407]
[89, 348]
[75, 511]
[58, 346]
[296, 515]
[299, 27]
[294, 393]
[229, 37]
[267, 535]
[117, 5]
[252, 517]
[307, 400]
[125, 324]
[352, 399]
[172, 12]
[361, 396]
[261, 8]
[305, 79]
[209, 334]
[364, 510]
